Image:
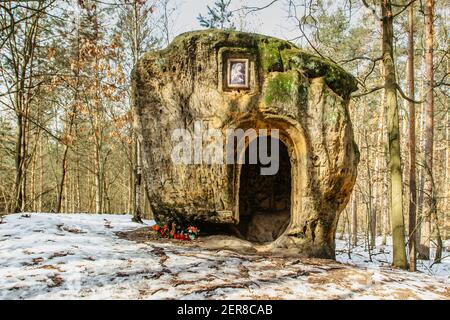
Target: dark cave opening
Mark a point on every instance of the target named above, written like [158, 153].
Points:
[264, 200]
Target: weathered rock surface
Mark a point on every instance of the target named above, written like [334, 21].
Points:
[303, 96]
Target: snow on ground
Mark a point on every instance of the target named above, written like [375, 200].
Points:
[62, 256]
[381, 256]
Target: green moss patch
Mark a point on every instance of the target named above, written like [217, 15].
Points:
[281, 88]
[270, 54]
[314, 67]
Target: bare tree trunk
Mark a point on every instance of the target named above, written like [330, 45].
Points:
[371, 215]
[137, 214]
[429, 134]
[72, 192]
[447, 178]
[412, 142]
[421, 175]
[130, 202]
[343, 226]
[68, 139]
[26, 155]
[41, 174]
[355, 219]
[166, 22]
[439, 244]
[390, 87]
[386, 217]
[384, 181]
[137, 211]
[78, 184]
[91, 192]
[378, 178]
[61, 183]
[19, 161]
[66, 196]
[33, 179]
[98, 181]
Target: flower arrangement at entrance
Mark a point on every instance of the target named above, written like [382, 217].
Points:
[176, 232]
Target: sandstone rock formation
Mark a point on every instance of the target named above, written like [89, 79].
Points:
[305, 97]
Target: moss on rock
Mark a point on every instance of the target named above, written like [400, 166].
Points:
[270, 55]
[281, 88]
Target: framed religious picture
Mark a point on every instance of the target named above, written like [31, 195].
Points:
[237, 74]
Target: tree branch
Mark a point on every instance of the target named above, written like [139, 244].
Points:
[405, 6]
[368, 92]
[374, 12]
[404, 96]
[254, 9]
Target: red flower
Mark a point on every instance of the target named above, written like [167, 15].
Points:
[155, 227]
[193, 229]
[175, 236]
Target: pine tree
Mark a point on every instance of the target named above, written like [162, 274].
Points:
[218, 16]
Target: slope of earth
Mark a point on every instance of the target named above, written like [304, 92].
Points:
[62, 256]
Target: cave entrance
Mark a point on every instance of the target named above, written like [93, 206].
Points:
[264, 200]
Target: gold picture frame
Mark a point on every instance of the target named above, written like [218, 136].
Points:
[238, 73]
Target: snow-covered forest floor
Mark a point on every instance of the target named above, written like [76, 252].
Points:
[62, 256]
